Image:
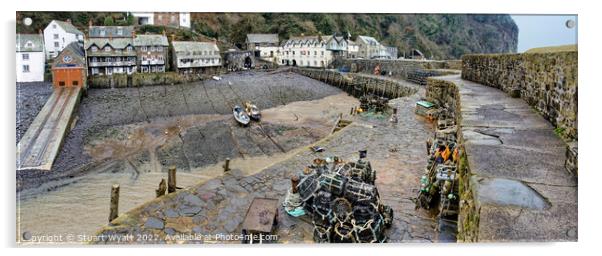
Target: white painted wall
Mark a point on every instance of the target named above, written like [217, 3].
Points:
[63, 39]
[149, 16]
[36, 67]
[309, 60]
[185, 19]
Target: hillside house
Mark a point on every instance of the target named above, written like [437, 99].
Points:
[58, 34]
[264, 46]
[30, 57]
[69, 67]
[170, 19]
[306, 51]
[151, 53]
[337, 45]
[369, 47]
[195, 57]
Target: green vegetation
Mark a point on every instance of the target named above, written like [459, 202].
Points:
[560, 48]
[441, 36]
[560, 132]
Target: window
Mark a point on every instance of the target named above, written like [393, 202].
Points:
[94, 48]
[107, 48]
[56, 44]
[25, 68]
[62, 83]
[25, 56]
[144, 48]
[75, 83]
[56, 36]
[322, 53]
[94, 59]
[120, 31]
[159, 48]
[129, 48]
[316, 53]
[53, 25]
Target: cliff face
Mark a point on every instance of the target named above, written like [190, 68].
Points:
[441, 36]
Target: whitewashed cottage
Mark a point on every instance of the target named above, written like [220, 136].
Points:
[30, 59]
[58, 34]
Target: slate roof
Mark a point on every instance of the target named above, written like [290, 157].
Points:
[111, 31]
[262, 38]
[78, 53]
[117, 43]
[37, 43]
[304, 40]
[369, 40]
[141, 40]
[190, 47]
[68, 27]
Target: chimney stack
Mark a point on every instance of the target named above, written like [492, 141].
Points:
[90, 23]
[164, 34]
[69, 21]
[133, 33]
[173, 37]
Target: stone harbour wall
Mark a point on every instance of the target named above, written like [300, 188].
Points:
[142, 79]
[357, 84]
[446, 94]
[399, 68]
[546, 81]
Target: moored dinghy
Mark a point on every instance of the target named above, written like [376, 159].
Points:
[252, 111]
[240, 115]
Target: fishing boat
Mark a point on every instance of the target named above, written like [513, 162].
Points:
[252, 111]
[240, 115]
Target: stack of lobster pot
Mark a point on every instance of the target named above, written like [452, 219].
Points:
[344, 202]
[439, 186]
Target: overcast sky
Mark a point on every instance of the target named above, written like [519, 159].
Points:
[544, 30]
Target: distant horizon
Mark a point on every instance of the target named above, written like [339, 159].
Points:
[544, 30]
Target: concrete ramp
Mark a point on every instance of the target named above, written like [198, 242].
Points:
[40, 145]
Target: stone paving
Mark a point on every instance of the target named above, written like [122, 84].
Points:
[397, 153]
[521, 188]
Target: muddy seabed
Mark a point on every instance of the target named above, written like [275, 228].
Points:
[196, 137]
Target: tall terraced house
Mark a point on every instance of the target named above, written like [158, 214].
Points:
[30, 59]
[58, 34]
[151, 53]
[195, 57]
[110, 50]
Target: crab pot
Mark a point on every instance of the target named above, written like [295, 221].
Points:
[322, 202]
[343, 233]
[333, 183]
[322, 234]
[307, 187]
[361, 193]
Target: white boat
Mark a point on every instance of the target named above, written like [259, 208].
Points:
[240, 115]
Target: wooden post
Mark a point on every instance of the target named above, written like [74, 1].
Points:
[227, 165]
[351, 113]
[295, 183]
[171, 180]
[162, 188]
[114, 206]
